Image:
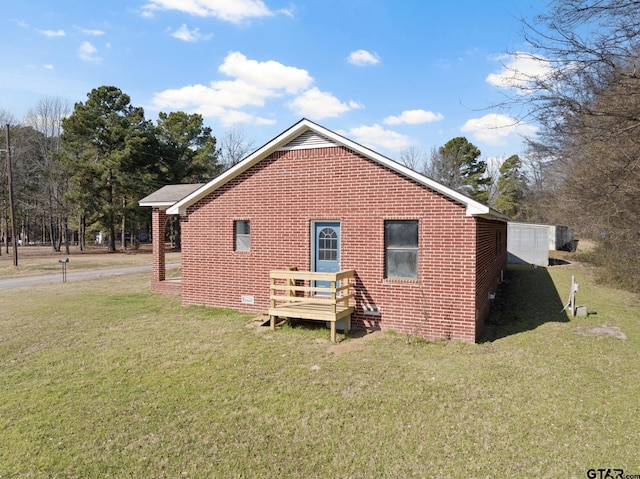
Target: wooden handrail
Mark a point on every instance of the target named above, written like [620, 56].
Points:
[312, 275]
[289, 287]
[319, 303]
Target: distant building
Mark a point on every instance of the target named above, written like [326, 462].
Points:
[529, 243]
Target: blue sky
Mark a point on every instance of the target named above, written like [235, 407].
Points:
[387, 74]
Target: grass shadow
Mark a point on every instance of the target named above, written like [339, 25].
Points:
[527, 298]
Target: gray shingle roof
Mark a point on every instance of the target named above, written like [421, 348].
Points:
[168, 195]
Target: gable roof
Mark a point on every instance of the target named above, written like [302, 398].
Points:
[307, 134]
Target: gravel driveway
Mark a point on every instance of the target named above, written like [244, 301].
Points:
[28, 281]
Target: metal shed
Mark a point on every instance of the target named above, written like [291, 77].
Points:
[528, 243]
[560, 237]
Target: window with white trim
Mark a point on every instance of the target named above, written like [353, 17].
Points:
[242, 232]
[401, 249]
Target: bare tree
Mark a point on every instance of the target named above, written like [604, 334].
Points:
[46, 118]
[7, 118]
[414, 157]
[493, 174]
[587, 104]
[233, 147]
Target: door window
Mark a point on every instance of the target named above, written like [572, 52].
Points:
[327, 245]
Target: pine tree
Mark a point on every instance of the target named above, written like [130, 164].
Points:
[511, 187]
[457, 165]
[103, 139]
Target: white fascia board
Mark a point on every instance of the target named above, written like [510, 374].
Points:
[473, 208]
[181, 206]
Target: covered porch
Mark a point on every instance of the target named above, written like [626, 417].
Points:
[160, 201]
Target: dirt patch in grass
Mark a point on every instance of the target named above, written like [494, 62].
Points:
[357, 341]
[601, 331]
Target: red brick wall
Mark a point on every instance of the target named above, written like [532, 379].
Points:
[491, 260]
[159, 222]
[283, 194]
[167, 286]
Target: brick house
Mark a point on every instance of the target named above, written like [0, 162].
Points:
[426, 258]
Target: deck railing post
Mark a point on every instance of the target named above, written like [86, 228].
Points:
[333, 297]
[272, 302]
[272, 290]
[345, 292]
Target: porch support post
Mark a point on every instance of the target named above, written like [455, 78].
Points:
[158, 223]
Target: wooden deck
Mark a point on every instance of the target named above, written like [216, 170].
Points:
[295, 294]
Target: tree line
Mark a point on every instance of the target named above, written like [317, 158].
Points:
[458, 164]
[84, 170]
[80, 171]
[588, 108]
[87, 168]
[582, 168]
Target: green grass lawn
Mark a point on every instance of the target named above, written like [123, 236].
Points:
[105, 379]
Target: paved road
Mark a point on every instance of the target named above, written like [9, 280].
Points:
[27, 281]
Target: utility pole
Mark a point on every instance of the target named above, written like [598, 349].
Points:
[12, 214]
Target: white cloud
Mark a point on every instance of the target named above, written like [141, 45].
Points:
[94, 33]
[377, 136]
[48, 66]
[214, 99]
[318, 104]
[232, 117]
[197, 98]
[269, 74]
[220, 100]
[186, 35]
[413, 117]
[252, 84]
[363, 57]
[519, 70]
[496, 129]
[234, 11]
[53, 33]
[87, 52]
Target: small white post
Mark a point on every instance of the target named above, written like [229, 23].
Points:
[574, 290]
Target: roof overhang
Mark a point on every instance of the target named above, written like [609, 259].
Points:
[168, 195]
[473, 208]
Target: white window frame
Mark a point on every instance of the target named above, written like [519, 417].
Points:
[400, 248]
[242, 241]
